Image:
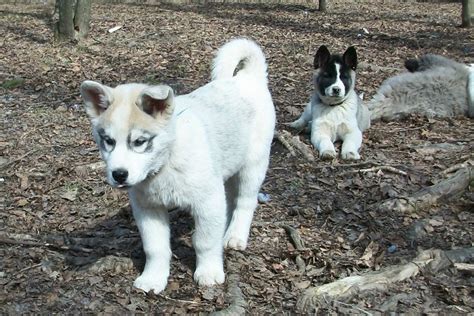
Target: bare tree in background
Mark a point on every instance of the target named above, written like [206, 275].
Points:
[74, 18]
[467, 13]
[322, 5]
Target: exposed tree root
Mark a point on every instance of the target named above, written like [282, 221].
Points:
[234, 295]
[430, 261]
[444, 190]
[466, 164]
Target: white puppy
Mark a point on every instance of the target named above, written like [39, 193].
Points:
[201, 152]
[335, 112]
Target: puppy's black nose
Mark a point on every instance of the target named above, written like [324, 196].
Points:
[120, 175]
[336, 90]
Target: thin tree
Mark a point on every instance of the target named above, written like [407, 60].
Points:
[467, 13]
[74, 18]
[323, 5]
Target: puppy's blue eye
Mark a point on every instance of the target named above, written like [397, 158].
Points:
[109, 141]
[140, 141]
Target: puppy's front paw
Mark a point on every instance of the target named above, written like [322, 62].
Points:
[328, 155]
[234, 242]
[209, 274]
[298, 124]
[147, 282]
[350, 155]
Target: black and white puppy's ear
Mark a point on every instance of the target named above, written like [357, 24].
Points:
[350, 58]
[97, 97]
[157, 101]
[322, 57]
[412, 65]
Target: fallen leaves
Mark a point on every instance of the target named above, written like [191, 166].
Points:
[55, 186]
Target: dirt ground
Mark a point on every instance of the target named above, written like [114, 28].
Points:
[68, 242]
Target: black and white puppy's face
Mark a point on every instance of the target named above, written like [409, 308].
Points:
[335, 75]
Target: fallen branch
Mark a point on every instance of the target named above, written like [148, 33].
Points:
[466, 267]
[466, 164]
[293, 144]
[444, 190]
[430, 261]
[283, 138]
[380, 168]
[5, 239]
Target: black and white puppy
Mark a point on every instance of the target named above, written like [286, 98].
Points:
[335, 111]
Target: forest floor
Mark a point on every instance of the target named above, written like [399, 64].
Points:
[68, 242]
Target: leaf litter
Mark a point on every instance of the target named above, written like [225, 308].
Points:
[68, 241]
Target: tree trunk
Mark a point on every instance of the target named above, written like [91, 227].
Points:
[82, 18]
[74, 17]
[467, 13]
[322, 5]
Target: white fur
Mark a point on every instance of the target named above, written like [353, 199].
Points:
[470, 92]
[212, 155]
[331, 123]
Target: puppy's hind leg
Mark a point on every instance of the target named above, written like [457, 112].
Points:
[303, 121]
[210, 221]
[249, 180]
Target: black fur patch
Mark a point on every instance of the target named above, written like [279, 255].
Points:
[328, 74]
[106, 143]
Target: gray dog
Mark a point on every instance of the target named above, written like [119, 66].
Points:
[435, 86]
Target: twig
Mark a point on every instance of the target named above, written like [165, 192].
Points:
[348, 165]
[292, 143]
[34, 130]
[34, 243]
[289, 79]
[177, 300]
[302, 148]
[295, 237]
[18, 159]
[381, 168]
[284, 141]
[29, 268]
[354, 307]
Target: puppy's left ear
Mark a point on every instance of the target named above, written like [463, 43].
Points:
[157, 101]
[350, 58]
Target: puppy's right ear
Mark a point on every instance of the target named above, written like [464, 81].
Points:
[322, 57]
[97, 97]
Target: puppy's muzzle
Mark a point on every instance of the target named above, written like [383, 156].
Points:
[336, 91]
[120, 176]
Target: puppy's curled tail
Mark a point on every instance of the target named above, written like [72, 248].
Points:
[233, 53]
